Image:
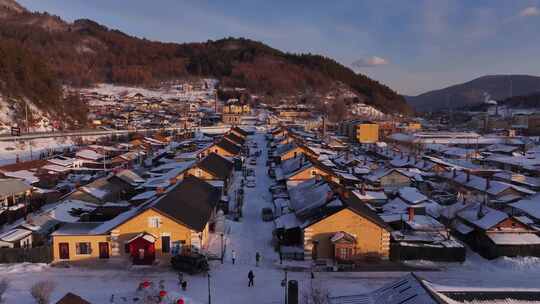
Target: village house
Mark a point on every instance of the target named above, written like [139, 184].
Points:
[392, 179]
[214, 168]
[493, 233]
[351, 232]
[330, 223]
[222, 147]
[14, 199]
[176, 222]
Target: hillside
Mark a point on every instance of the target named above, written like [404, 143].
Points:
[84, 53]
[473, 92]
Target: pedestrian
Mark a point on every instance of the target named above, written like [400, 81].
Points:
[184, 285]
[257, 258]
[280, 256]
[251, 276]
[233, 256]
[180, 278]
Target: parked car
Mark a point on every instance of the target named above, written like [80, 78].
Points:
[253, 162]
[192, 263]
[267, 214]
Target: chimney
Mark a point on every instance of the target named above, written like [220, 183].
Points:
[160, 190]
[363, 189]
[408, 158]
[468, 176]
[411, 214]
[365, 160]
[454, 172]
[488, 183]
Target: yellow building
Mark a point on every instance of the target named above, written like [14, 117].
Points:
[176, 222]
[223, 148]
[354, 232]
[367, 133]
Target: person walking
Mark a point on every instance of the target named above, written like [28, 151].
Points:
[180, 278]
[233, 256]
[184, 285]
[251, 276]
[257, 259]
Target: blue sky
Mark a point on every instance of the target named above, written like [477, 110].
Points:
[411, 45]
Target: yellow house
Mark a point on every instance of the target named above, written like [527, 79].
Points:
[214, 168]
[223, 148]
[239, 132]
[353, 232]
[367, 133]
[178, 221]
[289, 151]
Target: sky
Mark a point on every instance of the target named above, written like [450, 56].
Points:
[413, 46]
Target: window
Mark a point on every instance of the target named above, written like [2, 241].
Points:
[83, 248]
[126, 248]
[154, 222]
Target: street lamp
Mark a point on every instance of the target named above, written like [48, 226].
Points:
[209, 296]
[284, 285]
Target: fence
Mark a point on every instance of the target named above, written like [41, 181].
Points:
[41, 254]
[441, 254]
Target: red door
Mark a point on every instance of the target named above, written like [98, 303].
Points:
[63, 248]
[103, 250]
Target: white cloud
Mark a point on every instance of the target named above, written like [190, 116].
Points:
[530, 11]
[370, 62]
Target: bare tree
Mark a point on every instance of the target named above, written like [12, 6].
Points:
[316, 295]
[4, 284]
[41, 291]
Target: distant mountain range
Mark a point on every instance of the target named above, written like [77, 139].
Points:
[493, 87]
[84, 52]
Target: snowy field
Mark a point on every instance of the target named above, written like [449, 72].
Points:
[228, 283]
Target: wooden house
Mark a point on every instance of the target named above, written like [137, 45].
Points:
[223, 147]
[390, 179]
[214, 168]
[235, 139]
[351, 232]
[239, 132]
[493, 233]
[176, 222]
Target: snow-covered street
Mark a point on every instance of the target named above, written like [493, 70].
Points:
[229, 283]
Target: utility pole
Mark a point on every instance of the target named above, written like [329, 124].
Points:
[209, 296]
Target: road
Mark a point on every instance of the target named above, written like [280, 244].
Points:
[30, 136]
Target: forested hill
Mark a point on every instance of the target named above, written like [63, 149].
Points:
[84, 52]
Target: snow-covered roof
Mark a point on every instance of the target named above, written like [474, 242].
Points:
[482, 216]
[10, 186]
[144, 196]
[27, 176]
[480, 183]
[14, 235]
[514, 238]
[370, 195]
[56, 168]
[530, 205]
[412, 195]
[89, 154]
[308, 195]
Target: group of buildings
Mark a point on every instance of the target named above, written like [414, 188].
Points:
[415, 195]
[138, 202]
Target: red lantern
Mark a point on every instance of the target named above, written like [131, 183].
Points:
[180, 301]
[162, 294]
[146, 284]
